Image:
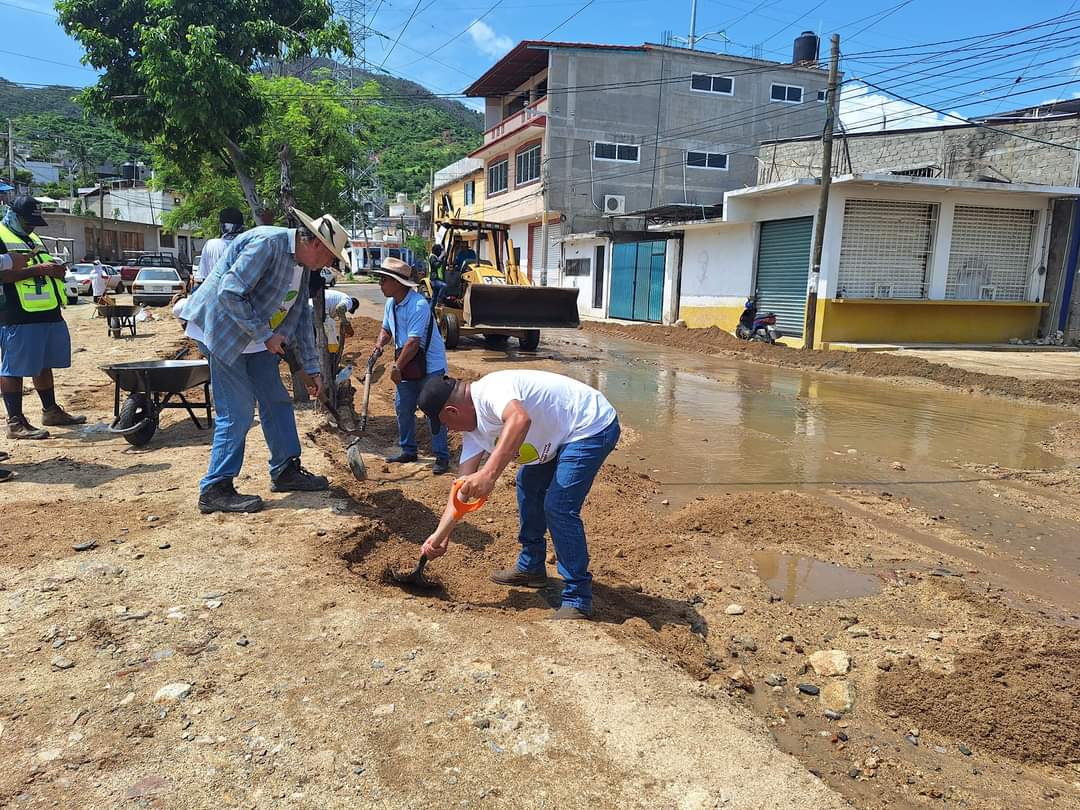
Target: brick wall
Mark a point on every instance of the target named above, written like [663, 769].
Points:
[961, 153]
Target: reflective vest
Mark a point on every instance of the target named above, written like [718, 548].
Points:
[34, 294]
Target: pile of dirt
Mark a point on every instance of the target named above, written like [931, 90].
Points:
[1020, 698]
[868, 364]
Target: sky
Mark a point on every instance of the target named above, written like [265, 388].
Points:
[445, 44]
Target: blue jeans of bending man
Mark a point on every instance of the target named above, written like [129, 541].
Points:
[238, 386]
[550, 497]
[408, 391]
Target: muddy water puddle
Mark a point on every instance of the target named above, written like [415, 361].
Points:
[707, 424]
[802, 580]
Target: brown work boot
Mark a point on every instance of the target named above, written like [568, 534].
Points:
[18, 427]
[58, 417]
[516, 578]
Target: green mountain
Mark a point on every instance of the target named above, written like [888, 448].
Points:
[410, 130]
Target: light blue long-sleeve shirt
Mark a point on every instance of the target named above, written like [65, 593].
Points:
[246, 288]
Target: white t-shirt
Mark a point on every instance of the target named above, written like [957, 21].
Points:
[98, 280]
[213, 250]
[562, 410]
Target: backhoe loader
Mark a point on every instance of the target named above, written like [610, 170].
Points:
[490, 296]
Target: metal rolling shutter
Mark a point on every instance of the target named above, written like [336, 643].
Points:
[991, 256]
[885, 249]
[553, 253]
[783, 267]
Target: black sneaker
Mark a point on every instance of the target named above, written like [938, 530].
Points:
[401, 458]
[295, 478]
[440, 467]
[223, 497]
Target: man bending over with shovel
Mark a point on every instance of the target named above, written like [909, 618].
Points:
[559, 431]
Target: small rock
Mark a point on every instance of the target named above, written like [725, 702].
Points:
[619, 554]
[164, 546]
[830, 663]
[173, 692]
[839, 696]
[59, 662]
[127, 700]
[89, 544]
[884, 664]
[212, 604]
[242, 642]
[832, 715]
[377, 664]
[740, 679]
[734, 610]
[211, 595]
[848, 621]
[665, 502]
[896, 465]
[152, 518]
[481, 722]
[841, 736]
[964, 750]
[808, 689]
[147, 786]
[747, 644]
[934, 636]
[775, 679]
[854, 773]
[911, 738]
[49, 754]
[785, 637]
[858, 632]
[384, 710]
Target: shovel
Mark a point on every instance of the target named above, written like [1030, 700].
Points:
[367, 389]
[415, 578]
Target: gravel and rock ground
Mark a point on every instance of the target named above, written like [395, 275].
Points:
[189, 661]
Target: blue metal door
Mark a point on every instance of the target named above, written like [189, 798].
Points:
[637, 281]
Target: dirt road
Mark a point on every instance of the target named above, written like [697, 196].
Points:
[262, 661]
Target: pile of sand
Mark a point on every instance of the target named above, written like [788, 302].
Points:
[1017, 697]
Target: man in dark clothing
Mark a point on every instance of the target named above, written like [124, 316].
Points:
[34, 338]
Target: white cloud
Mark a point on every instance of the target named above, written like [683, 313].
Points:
[864, 110]
[485, 38]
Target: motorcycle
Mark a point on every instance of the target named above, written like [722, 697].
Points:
[753, 326]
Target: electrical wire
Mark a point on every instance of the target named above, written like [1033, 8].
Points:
[568, 19]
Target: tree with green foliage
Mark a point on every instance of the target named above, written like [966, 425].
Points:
[313, 120]
[180, 74]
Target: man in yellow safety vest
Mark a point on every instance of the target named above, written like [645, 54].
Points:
[34, 338]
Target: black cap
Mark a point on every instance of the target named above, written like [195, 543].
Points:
[29, 211]
[233, 216]
[433, 397]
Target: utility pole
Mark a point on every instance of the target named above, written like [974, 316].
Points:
[11, 154]
[823, 202]
[692, 39]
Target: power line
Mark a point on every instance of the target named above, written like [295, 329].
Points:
[458, 35]
[568, 19]
[402, 31]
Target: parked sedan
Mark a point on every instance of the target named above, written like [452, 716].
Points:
[156, 286]
[71, 289]
[81, 271]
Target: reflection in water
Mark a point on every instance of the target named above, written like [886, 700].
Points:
[799, 580]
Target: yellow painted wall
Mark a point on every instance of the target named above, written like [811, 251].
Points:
[456, 191]
[879, 321]
[726, 318]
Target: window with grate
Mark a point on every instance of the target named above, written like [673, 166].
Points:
[788, 93]
[991, 254]
[527, 166]
[578, 267]
[706, 83]
[707, 160]
[885, 249]
[498, 177]
[621, 152]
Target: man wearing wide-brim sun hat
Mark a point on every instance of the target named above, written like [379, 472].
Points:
[243, 316]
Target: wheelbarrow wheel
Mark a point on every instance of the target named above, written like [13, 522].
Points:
[114, 327]
[138, 408]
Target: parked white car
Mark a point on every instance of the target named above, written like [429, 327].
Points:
[156, 285]
[71, 289]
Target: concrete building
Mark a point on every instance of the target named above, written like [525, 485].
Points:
[459, 190]
[904, 259]
[116, 236]
[1023, 148]
[601, 140]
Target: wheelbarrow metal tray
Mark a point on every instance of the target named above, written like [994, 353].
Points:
[118, 310]
[166, 376]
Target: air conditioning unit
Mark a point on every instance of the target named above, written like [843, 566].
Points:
[614, 204]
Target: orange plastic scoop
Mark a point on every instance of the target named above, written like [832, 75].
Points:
[462, 508]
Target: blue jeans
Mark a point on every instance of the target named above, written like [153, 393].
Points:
[437, 288]
[408, 391]
[550, 497]
[237, 387]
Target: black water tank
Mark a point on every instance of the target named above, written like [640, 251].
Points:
[130, 171]
[807, 49]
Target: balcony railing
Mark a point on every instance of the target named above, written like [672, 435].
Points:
[518, 120]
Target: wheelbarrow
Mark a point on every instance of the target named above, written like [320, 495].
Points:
[119, 317]
[155, 385]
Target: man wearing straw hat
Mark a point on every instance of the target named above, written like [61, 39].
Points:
[243, 316]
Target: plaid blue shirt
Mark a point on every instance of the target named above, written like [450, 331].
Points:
[245, 289]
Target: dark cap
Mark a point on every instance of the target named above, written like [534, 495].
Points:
[233, 216]
[29, 211]
[433, 397]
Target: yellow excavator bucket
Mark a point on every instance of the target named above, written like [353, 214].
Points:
[512, 306]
